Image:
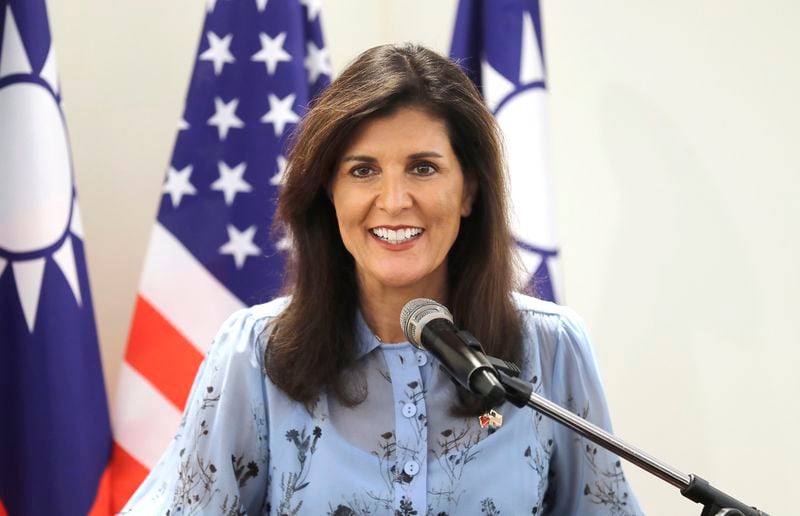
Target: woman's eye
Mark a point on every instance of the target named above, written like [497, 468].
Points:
[424, 169]
[361, 172]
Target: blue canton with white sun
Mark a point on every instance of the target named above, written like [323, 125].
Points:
[55, 433]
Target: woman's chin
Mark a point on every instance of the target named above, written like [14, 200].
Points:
[404, 282]
[401, 282]
[410, 277]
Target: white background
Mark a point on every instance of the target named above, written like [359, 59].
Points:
[676, 170]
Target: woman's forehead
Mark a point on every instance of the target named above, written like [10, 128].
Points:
[409, 128]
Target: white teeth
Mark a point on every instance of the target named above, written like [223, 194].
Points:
[396, 236]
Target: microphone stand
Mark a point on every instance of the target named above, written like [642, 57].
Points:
[521, 394]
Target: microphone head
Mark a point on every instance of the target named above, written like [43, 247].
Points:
[419, 312]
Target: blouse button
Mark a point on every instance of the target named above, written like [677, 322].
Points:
[411, 468]
[422, 358]
[409, 410]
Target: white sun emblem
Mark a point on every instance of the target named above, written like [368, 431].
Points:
[38, 212]
[521, 111]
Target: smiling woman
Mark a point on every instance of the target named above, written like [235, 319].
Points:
[399, 196]
[315, 404]
[401, 139]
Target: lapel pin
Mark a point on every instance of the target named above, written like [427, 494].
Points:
[492, 420]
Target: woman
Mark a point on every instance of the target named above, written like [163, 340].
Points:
[315, 404]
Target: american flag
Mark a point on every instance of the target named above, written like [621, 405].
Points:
[212, 251]
[55, 438]
[499, 45]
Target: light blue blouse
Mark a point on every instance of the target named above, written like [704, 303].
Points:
[244, 447]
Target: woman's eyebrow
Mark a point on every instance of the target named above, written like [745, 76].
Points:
[370, 159]
[359, 157]
[425, 154]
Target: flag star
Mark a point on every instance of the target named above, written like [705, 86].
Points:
[278, 177]
[240, 245]
[317, 62]
[261, 4]
[177, 184]
[225, 117]
[312, 7]
[211, 5]
[280, 113]
[218, 51]
[230, 181]
[272, 51]
[183, 125]
[284, 244]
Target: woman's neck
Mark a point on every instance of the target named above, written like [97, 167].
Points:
[381, 306]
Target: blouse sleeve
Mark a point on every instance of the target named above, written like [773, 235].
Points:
[585, 479]
[218, 461]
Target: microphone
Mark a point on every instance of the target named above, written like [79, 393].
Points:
[429, 325]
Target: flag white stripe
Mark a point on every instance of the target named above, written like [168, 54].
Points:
[144, 421]
[183, 291]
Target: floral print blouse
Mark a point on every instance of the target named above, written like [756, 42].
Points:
[244, 447]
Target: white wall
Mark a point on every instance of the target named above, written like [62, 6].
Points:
[675, 179]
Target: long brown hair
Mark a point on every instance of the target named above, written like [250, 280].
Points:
[314, 338]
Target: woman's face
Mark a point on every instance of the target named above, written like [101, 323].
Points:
[399, 195]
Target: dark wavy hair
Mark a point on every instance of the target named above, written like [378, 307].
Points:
[314, 339]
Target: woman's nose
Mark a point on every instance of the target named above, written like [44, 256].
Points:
[394, 195]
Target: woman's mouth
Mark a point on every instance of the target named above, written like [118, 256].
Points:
[396, 236]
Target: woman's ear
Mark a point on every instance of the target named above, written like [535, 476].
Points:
[468, 198]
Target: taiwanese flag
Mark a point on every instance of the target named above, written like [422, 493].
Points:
[55, 438]
[499, 45]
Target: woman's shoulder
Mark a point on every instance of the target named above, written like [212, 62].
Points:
[545, 310]
[244, 330]
[551, 329]
[558, 351]
[268, 310]
[257, 315]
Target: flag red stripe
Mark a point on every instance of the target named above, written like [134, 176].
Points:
[126, 475]
[162, 354]
[102, 501]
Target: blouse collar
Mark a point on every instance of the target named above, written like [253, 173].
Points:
[367, 341]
